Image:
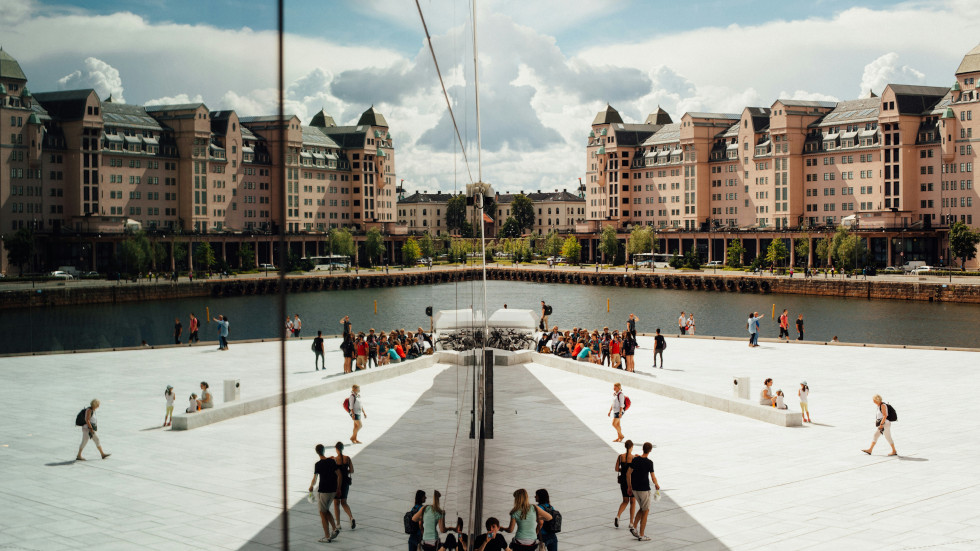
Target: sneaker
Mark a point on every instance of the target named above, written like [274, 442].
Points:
[634, 532]
[353, 524]
[335, 534]
[644, 538]
[324, 539]
[616, 522]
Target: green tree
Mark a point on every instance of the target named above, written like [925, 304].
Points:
[246, 256]
[552, 244]
[734, 254]
[510, 228]
[641, 240]
[572, 250]
[179, 250]
[20, 247]
[692, 260]
[963, 242]
[411, 252]
[159, 255]
[850, 252]
[203, 256]
[466, 230]
[824, 250]
[456, 212]
[608, 244]
[132, 256]
[426, 246]
[803, 249]
[777, 252]
[522, 250]
[460, 250]
[374, 246]
[342, 242]
[522, 209]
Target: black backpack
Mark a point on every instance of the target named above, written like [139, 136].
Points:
[80, 418]
[892, 416]
[411, 527]
[547, 309]
[553, 525]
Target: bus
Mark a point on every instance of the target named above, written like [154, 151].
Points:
[329, 262]
[659, 260]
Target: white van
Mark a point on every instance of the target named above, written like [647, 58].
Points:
[911, 265]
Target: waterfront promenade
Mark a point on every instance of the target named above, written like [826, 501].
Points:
[730, 482]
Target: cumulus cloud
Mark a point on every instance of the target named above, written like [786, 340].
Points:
[98, 75]
[177, 99]
[805, 95]
[15, 11]
[885, 70]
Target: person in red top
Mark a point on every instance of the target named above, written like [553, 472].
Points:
[194, 327]
[577, 349]
[400, 351]
[784, 325]
[615, 346]
[362, 350]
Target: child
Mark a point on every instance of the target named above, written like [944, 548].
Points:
[780, 398]
[169, 395]
[193, 404]
[804, 393]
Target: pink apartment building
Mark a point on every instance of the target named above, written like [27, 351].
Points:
[80, 171]
[898, 168]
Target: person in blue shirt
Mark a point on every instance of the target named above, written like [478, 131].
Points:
[546, 536]
[222, 322]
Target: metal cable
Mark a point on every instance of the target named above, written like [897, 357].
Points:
[282, 269]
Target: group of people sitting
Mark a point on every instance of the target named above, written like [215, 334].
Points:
[767, 398]
[532, 524]
[603, 348]
[383, 348]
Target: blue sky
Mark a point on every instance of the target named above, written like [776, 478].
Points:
[546, 66]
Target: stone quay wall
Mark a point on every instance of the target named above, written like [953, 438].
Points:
[917, 289]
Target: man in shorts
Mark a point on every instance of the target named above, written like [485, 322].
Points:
[330, 481]
[638, 477]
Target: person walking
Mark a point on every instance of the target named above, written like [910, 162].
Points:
[415, 529]
[639, 475]
[799, 327]
[524, 517]
[356, 412]
[178, 329]
[222, 322]
[617, 409]
[804, 394]
[346, 468]
[622, 467]
[89, 430]
[682, 324]
[194, 327]
[546, 530]
[329, 475]
[318, 352]
[784, 325]
[169, 394]
[659, 345]
[883, 424]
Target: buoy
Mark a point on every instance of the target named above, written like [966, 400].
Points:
[607, 305]
[375, 307]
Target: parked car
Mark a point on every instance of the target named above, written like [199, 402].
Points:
[892, 270]
[424, 261]
[267, 267]
[557, 260]
[91, 274]
[912, 265]
[923, 270]
[59, 274]
[714, 264]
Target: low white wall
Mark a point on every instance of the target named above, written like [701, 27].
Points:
[745, 408]
[229, 410]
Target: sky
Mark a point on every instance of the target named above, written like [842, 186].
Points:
[545, 67]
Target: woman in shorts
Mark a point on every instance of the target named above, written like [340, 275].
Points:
[622, 466]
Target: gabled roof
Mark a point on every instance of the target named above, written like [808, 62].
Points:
[971, 62]
[915, 100]
[68, 105]
[607, 116]
[421, 197]
[173, 107]
[855, 110]
[659, 117]
[315, 135]
[9, 68]
[128, 116]
[372, 118]
[322, 119]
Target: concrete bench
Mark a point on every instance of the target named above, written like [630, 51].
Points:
[230, 410]
[745, 408]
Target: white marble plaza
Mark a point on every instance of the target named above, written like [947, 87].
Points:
[730, 482]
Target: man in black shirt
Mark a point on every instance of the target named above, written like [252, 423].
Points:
[493, 540]
[799, 327]
[330, 480]
[178, 329]
[639, 486]
[660, 343]
[631, 325]
[318, 351]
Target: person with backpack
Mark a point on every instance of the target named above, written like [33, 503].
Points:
[617, 409]
[883, 424]
[356, 412]
[413, 527]
[86, 420]
[318, 352]
[548, 529]
[660, 344]
[433, 521]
